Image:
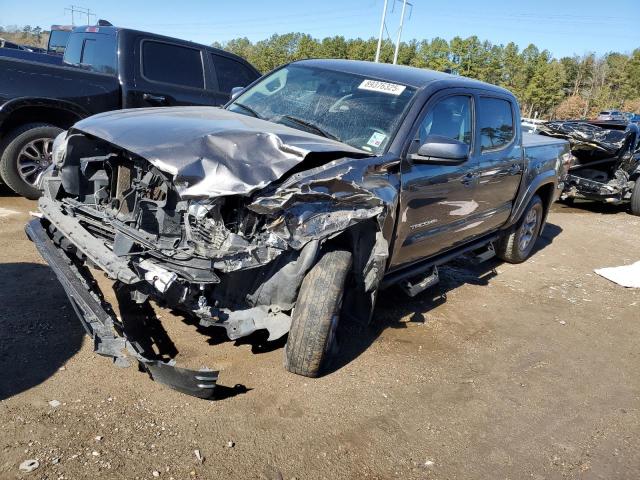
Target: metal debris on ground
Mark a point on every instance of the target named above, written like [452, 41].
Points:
[199, 456]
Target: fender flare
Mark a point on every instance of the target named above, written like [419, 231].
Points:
[545, 178]
[15, 104]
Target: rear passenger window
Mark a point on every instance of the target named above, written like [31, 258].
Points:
[164, 62]
[450, 117]
[495, 119]
[92, 51]
[231, 73]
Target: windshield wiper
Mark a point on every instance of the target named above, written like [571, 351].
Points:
[312, 126]
[248, 109]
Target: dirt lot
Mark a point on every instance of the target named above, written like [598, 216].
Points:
[500, 372]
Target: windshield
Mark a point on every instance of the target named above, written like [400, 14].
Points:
[352, 109]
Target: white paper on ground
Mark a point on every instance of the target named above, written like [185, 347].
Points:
[626, 275]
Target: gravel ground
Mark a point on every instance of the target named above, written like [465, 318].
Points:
[500, 372]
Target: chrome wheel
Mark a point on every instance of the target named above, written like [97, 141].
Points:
[33, 160]
[528, 229]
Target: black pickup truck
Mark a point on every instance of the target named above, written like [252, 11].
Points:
[315, 188]
[104, 68]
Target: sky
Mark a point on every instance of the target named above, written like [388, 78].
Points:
[564, 27]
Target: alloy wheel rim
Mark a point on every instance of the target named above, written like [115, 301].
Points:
[528, 228]
[33, 160]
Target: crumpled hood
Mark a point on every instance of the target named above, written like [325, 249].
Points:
[209, 151]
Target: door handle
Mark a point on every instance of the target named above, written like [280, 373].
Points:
[159, 99]
[468, 178]
[515, 169]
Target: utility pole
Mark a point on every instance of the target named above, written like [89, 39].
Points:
[384, 16]
[395, 54]
[81, 10]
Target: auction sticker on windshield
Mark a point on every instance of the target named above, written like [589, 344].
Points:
[376, 139]
[384, 87]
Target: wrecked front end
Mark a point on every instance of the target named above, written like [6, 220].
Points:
[606, 162]
[175, 235]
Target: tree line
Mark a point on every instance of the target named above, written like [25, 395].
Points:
[569, 87]
[27, 35]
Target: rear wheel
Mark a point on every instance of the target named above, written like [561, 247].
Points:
[26, 156]
[635, 198]
[312, 338]
[517, 245]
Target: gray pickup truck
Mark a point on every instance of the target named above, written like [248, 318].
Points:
[312, 190]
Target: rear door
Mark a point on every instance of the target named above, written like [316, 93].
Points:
[437, 207]
[172, 74]
[500, 160]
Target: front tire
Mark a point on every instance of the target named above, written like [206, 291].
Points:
[316, 315]
[516, 245]
[635, 198]
[26, 156]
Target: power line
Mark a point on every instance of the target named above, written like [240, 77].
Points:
[80, 10]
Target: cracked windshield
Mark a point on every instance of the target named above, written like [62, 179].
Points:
[352, 109]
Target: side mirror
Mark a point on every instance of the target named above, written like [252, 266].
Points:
[441, 150]
[235, 91]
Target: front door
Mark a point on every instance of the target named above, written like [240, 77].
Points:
[437, 205]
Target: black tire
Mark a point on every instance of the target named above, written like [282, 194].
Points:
[635, 199]
[316, 314]
[14, 143]
[517, 244]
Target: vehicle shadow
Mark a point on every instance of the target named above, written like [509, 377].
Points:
[394, 305]
[6, 191]
[39, 330]
[580, 205]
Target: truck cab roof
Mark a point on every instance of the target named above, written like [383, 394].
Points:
[410, 76]
[113, 31]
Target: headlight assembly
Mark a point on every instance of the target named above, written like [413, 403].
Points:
[59, 149]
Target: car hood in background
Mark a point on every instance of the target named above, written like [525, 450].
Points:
[209, 151]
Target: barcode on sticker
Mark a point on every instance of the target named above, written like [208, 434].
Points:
[384, 87]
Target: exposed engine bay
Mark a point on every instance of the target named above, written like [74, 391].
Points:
[234, 261]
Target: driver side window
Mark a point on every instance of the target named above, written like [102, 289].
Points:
[450, 117]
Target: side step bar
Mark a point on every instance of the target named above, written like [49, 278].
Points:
[430, 279]
[425, 267]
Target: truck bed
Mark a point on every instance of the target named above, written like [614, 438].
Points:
[90, 91]
[535, 140]
[31, 56]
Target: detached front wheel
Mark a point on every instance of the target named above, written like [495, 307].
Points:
[317, 313]
[516, 246]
